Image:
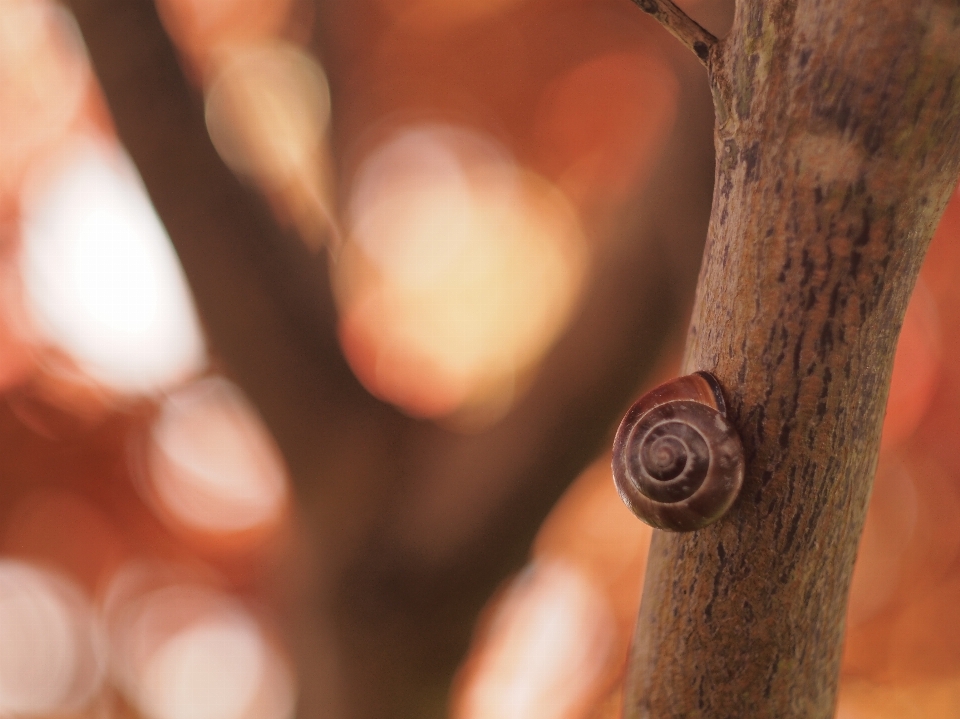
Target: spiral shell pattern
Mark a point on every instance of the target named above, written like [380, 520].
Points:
[677, 459]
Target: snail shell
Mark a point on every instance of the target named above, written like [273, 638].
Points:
[677, 459]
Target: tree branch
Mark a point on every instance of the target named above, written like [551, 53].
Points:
[839, 146]
[681, 26]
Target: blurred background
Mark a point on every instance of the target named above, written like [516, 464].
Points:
[316, 318]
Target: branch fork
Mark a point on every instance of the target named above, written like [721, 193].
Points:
[681, 26]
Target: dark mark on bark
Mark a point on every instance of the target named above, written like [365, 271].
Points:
[773, 673]
[751, 157]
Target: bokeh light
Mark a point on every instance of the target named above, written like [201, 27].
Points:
[461, 270]
[267, 109]
[101, 276]
[184, 650]
[213, 466]
[542, 651]
[43, 79]
[594, 550]
[51, 653]
[592, 529]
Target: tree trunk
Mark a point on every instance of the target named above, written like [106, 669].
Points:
[838, 145]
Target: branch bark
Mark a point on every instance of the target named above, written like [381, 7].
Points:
[838, 141]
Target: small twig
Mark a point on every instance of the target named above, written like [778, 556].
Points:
[681, 26]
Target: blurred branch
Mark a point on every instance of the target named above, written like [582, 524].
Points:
[836, 167]
[396, 607]
[681, 26]
[262, 296]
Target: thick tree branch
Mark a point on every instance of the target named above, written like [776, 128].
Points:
[681, 26]
[839, 145]
[260, 293]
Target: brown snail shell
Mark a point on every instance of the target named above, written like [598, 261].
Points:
[677, 459]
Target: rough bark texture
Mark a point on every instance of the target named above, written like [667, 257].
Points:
[838, 141]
